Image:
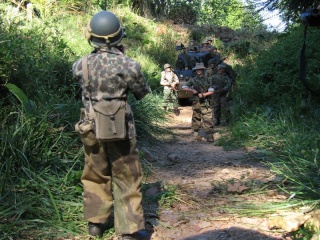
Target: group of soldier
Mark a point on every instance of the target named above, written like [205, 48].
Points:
[210, 88]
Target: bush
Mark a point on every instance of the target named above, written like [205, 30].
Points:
[272, 78]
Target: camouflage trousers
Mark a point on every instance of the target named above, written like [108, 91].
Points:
[111, 180]
[170, 98]
[202, 114]
[220, 106]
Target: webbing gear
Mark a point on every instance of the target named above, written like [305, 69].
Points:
[303, 66]
[91, 114]
[108, 115]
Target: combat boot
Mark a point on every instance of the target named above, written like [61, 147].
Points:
[210, 138]
[97, 229]
[141, 235]
[196, 137]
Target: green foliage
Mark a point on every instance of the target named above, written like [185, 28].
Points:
[304, 233]
[271, 79]
[35, 169]
[168, 196]
[28, 104]
[147, 111]
[231, 13]
[183, 12]
[273, 111]
[35, 59]
[290, 10]
[241, 48]
[301, 173]
[153, 50]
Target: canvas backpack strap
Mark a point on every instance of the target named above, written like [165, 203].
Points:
[91, 114]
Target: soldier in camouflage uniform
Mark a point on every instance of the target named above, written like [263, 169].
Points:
[229, 71]
[205, 47]
[202, 90]
[209, 41]
[112, 173]
[221, 84]
[169, 81]
[215, 55]
[212, 68]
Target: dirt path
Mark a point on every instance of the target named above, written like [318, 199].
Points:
[207, 181]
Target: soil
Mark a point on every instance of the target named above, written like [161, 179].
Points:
[205, 186]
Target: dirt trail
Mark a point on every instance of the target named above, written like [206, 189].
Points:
[209, 181]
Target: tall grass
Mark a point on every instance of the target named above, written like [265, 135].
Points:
[40, 159]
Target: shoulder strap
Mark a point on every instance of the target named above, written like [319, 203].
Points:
[91, 114]
[85, 72]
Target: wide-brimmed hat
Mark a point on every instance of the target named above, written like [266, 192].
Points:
[199, 66]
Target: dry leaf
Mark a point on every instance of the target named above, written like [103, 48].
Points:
[288, 223]
[236, 187]
[314, 220]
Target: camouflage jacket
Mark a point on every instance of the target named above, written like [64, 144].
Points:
[168, 79]
[221, 82]
[112, 75]
[201, 84]
[210, 72]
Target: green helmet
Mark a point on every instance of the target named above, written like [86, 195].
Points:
[212, 61]
[223, 66]
[104, 29]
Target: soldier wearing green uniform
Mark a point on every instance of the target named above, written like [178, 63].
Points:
[202, 90]
[215, 54]
[112, 172]
[170, 81]
[221, 84]
[212, 68]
